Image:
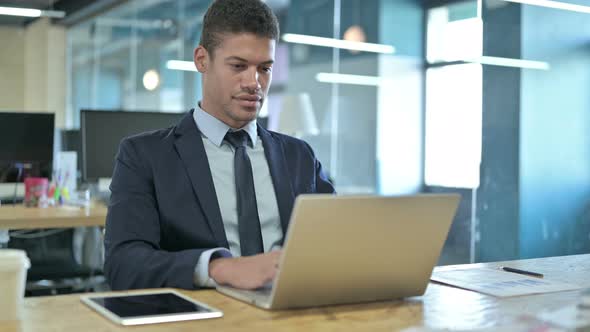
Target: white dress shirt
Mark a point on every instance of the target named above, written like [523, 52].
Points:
[220, 155]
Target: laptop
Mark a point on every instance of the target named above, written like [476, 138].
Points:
[352, 249]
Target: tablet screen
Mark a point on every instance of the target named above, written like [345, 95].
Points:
[150, 308]
[148, 305]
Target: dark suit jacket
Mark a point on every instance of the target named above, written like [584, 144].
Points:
[164, 213]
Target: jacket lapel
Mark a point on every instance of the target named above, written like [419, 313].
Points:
[277, 164]
[191, 150]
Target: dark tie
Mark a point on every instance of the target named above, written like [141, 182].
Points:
[248, 222]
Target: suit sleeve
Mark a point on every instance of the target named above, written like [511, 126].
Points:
[323, 185]
[133, 257]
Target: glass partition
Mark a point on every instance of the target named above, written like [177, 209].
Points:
[482, 98]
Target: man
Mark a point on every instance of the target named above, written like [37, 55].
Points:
[208, 201]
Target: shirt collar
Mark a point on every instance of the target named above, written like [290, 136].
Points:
[215, 129]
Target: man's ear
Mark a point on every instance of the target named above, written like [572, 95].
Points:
[201, 59]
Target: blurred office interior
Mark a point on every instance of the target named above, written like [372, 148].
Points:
[486, 98]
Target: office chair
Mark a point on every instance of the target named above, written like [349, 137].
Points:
[54, 268]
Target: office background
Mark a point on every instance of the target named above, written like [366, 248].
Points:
[485, 98]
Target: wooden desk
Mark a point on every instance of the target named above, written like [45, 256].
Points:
[441, 307]
[21, 217]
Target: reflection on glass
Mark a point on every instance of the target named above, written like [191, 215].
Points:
[453, 126]
[454, 33]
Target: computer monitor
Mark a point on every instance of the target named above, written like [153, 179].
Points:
[26, 145]
[71, 141]
[102, 131]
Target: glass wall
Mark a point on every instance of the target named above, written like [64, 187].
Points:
[363, 102]
[507, 119]
[536, 121]
[483, 98]
[453, 117]
[118, 59]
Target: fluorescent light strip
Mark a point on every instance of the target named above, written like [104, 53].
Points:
[30, 12]
[508, 62]
[555, 5]
[181, 65]
[13, 11]
[338, 43]
[377, 81]
[349, 79]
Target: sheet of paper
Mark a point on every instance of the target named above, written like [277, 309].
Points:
[499, 283]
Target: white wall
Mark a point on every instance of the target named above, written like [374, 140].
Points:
[33, 69]
[12, 78]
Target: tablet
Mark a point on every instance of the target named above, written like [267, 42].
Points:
[149, 307]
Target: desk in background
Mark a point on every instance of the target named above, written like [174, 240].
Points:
[441, 307]
[21, 217]
[52, 262]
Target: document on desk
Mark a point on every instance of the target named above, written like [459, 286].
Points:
[499, 283]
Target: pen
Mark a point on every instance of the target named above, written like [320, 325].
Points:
[519, 271]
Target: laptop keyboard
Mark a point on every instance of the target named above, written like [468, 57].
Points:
[264, 291]
[260, 295]
[261, 292]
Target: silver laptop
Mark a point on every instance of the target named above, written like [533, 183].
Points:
[351, 249]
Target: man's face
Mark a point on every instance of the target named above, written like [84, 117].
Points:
[236, 77]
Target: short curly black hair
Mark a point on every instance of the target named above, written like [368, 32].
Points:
[237, 16]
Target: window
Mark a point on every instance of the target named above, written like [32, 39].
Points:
[453, 96]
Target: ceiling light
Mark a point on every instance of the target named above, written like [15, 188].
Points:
[555, 5]
[181, 65]
[508, 62]
[151, 80]
[338, 43]
[350, 79]
[355, 34]
[29, 12]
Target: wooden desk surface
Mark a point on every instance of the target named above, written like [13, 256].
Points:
[21, 217]
[441, 307]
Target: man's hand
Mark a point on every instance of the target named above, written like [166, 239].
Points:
[249, 272]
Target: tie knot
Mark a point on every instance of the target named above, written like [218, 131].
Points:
[237, 138]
